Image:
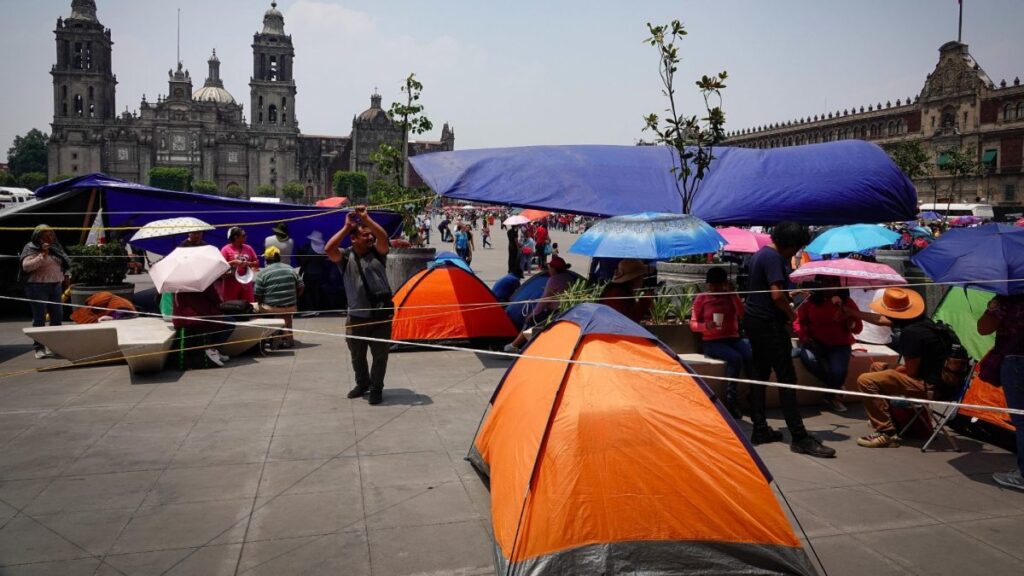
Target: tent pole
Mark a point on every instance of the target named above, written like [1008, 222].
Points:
[88, 216]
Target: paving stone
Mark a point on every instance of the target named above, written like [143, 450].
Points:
[292, 515]
[308, 476]
[124, 490]
[854, 510]
[221, 448]
[23, 541]
[415, 550]
[317, 423]
[950, 499]
[331, 554]
[312, 446]
[186, 525]
[94, 530]
[411, 431]
[81, 567]
[915, 549]
[126, 453]
[844, 555]
[206, 561]
[418, 505]
[1004, 533]
[204, 484]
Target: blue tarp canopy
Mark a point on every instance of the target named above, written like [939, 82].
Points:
[845, 182]
[127, 204]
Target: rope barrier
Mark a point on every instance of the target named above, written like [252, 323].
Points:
[623, 367]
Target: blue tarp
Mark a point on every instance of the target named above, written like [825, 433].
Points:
[524, 298]
[845, 182]
[127, 204]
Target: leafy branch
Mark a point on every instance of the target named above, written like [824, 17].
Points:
[692, 137]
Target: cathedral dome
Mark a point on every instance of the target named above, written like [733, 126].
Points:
[374, 114]
[273, 21]
[215, 94]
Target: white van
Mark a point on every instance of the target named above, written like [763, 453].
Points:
[15, 196]
[983, 211]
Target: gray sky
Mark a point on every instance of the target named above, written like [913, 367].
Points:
[525, 72]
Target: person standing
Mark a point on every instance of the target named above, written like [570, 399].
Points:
[282, 241]
[277, 290]
[240, 256]
[540, 236]
[461, 242]
[363, 271]
[1004, 366]
[769, 315]
[44, 270]
[485, 233]
[513, 251]
[193, 240]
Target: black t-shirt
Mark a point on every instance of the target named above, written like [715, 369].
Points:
[919, 340]
[767, 267]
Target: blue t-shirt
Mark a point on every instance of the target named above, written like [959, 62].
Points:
[505, 287]
[767, 267]
[461, 240]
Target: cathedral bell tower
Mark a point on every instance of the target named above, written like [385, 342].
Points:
[272, 85]
[83, 92]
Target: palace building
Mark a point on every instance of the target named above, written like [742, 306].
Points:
[958, 107]
[203, 129]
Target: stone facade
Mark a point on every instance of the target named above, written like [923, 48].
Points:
[204, 131]
[959, 106]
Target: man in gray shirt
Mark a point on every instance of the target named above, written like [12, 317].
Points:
[363, 274]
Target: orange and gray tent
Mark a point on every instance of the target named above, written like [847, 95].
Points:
[600, 470]
[447, 304]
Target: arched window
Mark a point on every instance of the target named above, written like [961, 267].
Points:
[78, 105]
[272, 114]
[1008, 112]
[273, 69]
[260, 106]
[1020, 111]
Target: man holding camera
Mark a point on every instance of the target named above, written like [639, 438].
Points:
[370, 307]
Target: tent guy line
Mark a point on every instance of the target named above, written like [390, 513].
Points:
[494, 353]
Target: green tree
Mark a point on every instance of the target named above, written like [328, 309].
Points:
[234, 191]
[266, 191]
[179, 179]
[959, 164]
[28, 153]
[204, 187]
[911, 157]
[32, 180]
[61, 177]
[693, 138]
[352, 185]
[408, 116]
[6, 179]
[293, 192]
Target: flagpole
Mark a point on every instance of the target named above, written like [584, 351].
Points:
[960, 26]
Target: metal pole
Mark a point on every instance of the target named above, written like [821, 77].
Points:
[960, 26]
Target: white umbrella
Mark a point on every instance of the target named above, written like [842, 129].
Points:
[469, 207]
[516, 220]
[171, 227]
[188, 269]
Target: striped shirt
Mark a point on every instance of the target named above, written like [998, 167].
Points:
[278, 285]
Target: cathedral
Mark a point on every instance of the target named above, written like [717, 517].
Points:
[959, 106]
[204, 130]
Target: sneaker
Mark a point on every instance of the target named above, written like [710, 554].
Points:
[40, 354]
[835, 404]
[879, 440]
[221, 356]
[357, 392]
[49, 353]
[376, 397]
[1011, 479]
[509, 348]
[212, 356]
[765, 436]
[812, 447]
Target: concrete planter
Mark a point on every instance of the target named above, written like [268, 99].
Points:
[678, 337]
[404, 263]
[81, 292]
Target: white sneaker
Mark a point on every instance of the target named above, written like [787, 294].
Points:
[1011, 479]
[222, 356]
[40, 354]
[214, 357]
[49, 353]
[511, 349]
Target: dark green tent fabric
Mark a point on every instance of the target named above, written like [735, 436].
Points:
[961, 309]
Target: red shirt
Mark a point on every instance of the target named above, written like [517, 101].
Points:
[541, 235]
[824, 323]
[706, 305]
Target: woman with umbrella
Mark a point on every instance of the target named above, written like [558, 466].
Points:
[237, 285]
[826, 324]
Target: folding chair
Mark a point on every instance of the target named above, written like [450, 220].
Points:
[938, 418]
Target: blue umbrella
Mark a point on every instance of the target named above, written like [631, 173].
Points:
[972, 255]
[852, 238]
[649, 236]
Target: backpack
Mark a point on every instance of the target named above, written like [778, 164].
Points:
[957, 363]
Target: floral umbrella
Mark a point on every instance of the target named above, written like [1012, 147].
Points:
[853, 272]
[649, 236]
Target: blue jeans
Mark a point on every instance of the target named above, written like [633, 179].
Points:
[1012, 375]
[830, 366]
[46, 298]
[736, 354]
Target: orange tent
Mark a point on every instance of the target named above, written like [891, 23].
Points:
[448, 304]
[598, 470]
[981, 393]
[332, 202]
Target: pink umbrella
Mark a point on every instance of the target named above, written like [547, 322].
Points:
[743, 240]
[964, 220]
[854, 272]
[1019, 222]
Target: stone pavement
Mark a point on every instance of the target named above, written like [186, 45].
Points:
[264, 467]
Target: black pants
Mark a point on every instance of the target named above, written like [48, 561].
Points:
[368, 378]
[514, 266]
[772, 350]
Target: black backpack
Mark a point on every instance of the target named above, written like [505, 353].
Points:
[957, 364]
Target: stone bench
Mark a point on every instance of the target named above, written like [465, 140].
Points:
[144, 342]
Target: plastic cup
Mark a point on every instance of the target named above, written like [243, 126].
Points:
[718, 318]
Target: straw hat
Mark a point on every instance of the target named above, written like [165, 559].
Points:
[629, 269]
[899, 303]
[245, 277]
